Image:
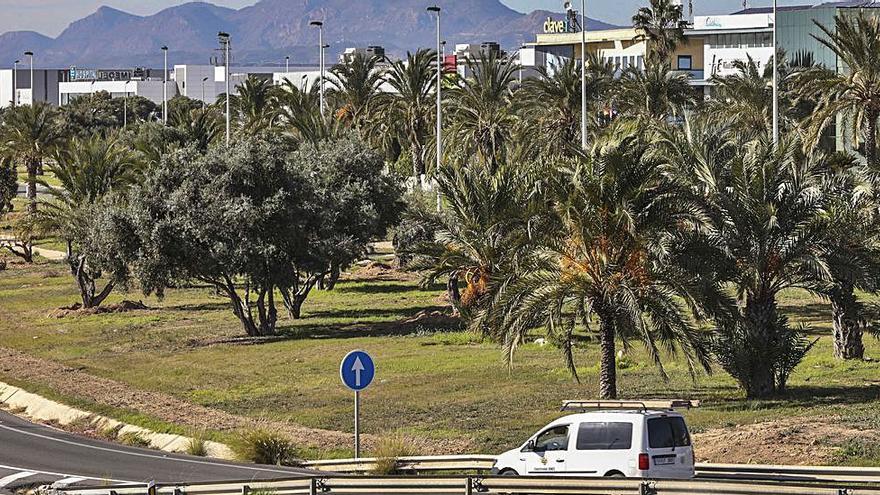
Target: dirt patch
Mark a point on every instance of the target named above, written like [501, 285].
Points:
[794, 441]
[377, 270]
[76, 383]
[76, 309]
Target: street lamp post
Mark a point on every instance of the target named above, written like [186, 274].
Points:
[224, 42]
[165, 87]
[125, 105]
[286, 64]
[30, 55]
[203, 91]
[15, 83]
[436, 9]
[775, 79]
[320, 26]
[584, 75]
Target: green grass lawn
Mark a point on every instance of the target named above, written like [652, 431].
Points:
[436, 382]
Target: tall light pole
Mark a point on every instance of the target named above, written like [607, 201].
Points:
[436, 9]
[15, 83]
[224, 43]
[203, 91]
[165, 87]
[286, 64]
[775, 79]
[30, 55]
[320, 26]
[125, 106]
[584, 75]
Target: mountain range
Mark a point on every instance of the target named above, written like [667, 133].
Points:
[264, 33]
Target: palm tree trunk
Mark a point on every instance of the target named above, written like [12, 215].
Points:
[761, 321]
[453, 293]
[417, 162]
[871, 139]
[608, 364]
[848, 323]
[32, 185]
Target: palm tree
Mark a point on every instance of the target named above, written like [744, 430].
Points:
[254, 107]
[619, 257]
[87, 170]
[656, 92]
[552, 103]
[768, 218]
[299, 114]
[411, 101]
[852, 89]
[355, 86]
[29, 133]
[200, 126]
[662, 26]
[481, 109]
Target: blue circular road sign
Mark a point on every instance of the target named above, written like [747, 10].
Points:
[357, 370]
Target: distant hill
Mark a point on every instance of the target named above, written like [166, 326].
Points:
[263, 34]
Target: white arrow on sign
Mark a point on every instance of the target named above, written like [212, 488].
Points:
[357, 367]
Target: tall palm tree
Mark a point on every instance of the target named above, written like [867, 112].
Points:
[552, 103]
[411, 102]
[619, 258]
[87, 170]
[200, 126]
[482, 110]
[662, 26]
[30, 133]
[299, 113]
[355, 85]
[852, 89]
[656, 92]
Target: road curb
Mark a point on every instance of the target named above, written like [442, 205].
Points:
[32, 406]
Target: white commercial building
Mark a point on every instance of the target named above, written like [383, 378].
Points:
[734, 38]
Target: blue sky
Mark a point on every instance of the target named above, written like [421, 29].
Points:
[50, 17]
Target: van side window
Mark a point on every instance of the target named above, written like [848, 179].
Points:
[555, 438]
[664, 433]
[604, 436]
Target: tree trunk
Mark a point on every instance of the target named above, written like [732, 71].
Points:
[761, 320]
[294, 297]
[871, 139]
[607, 365]
[86, 284]
[26, 253]
[333, 278]
[241, 311]
[32, 185]
[848, 323]
[453, 293]
[417, 162]
[266, 310]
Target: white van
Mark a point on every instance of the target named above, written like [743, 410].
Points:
[621, 438]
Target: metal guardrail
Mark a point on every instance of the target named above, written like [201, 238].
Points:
[483, 463]
[472, 485]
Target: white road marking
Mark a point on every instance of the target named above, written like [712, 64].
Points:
[67, 481]
[141, 454]
[63, 475]
[13, 477]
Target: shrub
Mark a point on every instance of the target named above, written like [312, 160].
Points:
[264, 447]
[388, 451]
[197, 445]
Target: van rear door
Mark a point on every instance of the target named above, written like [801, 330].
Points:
[669, 448]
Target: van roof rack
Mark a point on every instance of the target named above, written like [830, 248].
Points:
[644, 405]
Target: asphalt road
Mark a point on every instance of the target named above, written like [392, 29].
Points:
[32, 455]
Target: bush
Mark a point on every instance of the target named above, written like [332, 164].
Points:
[264, 447]
[197, 445]
[389, 450]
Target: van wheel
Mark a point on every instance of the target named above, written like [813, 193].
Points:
[614, 474]
[509, 472]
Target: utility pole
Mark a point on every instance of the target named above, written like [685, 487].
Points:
[165, 87]
[224, 43]
[775, 78]
[30, 55]
[203, 91]
[436, 10]
[584, 75]
[320, 26]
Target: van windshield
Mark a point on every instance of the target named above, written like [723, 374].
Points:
[668, 432]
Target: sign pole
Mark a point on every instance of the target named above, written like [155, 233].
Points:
[357, 424]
